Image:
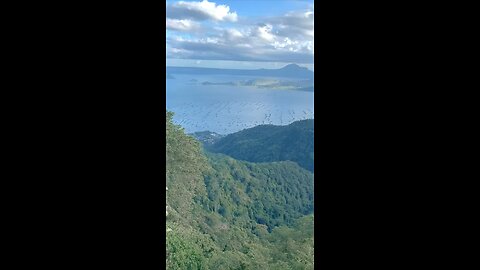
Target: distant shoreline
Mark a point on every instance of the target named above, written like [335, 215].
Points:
[289, 71]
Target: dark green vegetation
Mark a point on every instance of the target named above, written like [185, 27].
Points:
[271, 194]
[231, 214]
[267, 143]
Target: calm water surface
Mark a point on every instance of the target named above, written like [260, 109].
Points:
[226, 109]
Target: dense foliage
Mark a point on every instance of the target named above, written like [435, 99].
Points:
[271, 194]
[230, 214]
[267, 143]
[185, 167]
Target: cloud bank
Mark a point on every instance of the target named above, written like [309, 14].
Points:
[286, 38]
[200, 11]
[182, 25]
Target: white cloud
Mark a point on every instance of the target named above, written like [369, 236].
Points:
[294, 24]
[181, 25]
[264, 32]
[287, 38]
[233, 34]
[232, 44]
[200, 11]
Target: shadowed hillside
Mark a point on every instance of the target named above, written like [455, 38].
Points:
[267, 143]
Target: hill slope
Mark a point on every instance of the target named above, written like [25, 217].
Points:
[268, 143]
[230, 214]
[246, 194]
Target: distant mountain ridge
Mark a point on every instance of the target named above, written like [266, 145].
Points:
[207, 137]
[291, 70]
[270, 143]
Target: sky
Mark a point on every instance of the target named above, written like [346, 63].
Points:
[244, 34]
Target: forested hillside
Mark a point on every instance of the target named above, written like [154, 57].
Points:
[231, 214]
[271, 194]
[266, 143]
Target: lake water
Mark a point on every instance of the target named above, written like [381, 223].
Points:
[227, 109]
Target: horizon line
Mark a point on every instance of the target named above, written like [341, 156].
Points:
[167, 66]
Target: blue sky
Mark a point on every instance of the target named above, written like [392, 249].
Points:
[239, 33]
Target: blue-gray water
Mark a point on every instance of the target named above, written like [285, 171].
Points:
[226, 109]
